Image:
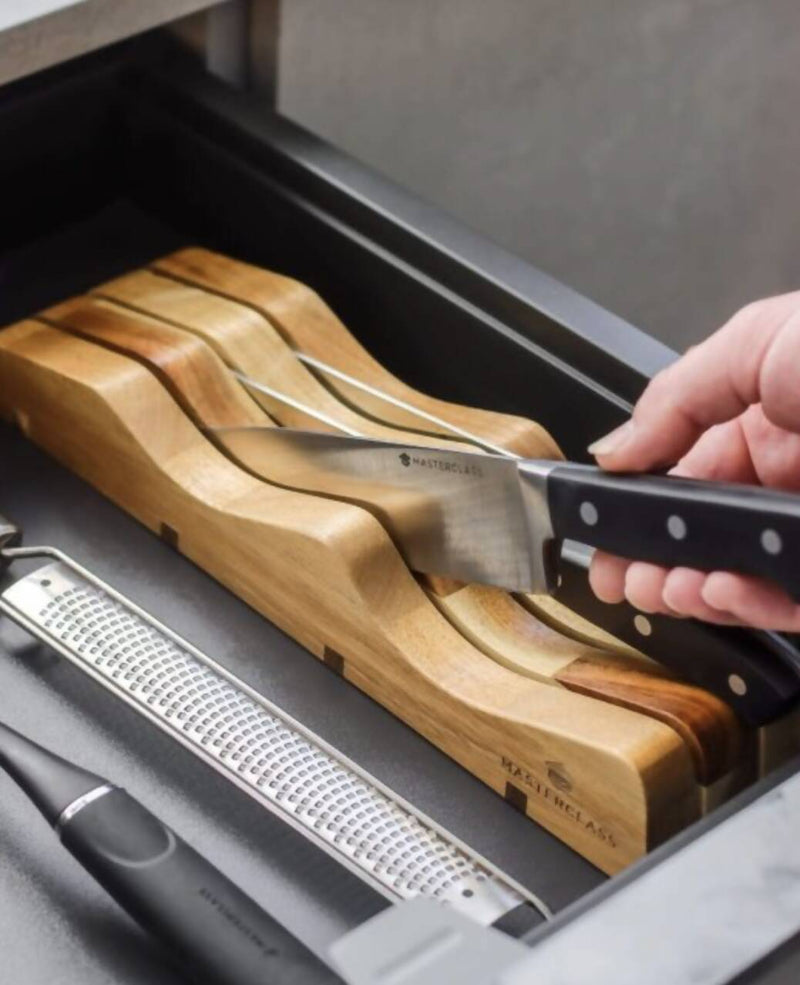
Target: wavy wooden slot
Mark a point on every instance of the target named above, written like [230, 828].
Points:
[489, 618]
[607, 781]
[260, 353]
[531, 647]
[555, 614]
[303, 318]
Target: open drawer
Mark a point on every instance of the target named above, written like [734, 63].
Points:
[124, 156]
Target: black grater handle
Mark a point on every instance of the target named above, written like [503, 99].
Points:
[10, 536]
[169, 888]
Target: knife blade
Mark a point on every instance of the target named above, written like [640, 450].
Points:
[456, 514]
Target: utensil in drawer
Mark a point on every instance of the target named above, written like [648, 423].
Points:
[251, 742]
[206, 922]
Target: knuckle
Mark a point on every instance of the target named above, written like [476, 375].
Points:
[780, 399]
[754, 313]
[663, 397]
[754, 310]
[761, 314]
[659, 390]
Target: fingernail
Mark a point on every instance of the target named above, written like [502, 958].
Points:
[613, 441]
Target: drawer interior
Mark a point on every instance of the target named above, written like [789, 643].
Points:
[118, 159]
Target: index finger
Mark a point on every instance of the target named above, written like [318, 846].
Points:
[712, 383]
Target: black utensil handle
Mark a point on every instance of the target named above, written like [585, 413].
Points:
[10, 536]
[221, 934]
[756, 673]
[680, 522]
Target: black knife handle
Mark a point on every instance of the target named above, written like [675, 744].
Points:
[170, 889]
[756, 673]
[710, 526]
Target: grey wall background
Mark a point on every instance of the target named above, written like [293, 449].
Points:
[646, 152]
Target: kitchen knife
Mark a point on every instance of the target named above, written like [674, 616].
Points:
[485, 518]
[500, 521]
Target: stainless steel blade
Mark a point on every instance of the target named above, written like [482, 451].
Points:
[460, 514]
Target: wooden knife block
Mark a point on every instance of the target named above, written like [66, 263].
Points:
[607, 781]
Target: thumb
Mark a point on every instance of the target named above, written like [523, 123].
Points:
[712, 383]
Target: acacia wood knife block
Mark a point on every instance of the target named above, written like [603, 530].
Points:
[610, 782]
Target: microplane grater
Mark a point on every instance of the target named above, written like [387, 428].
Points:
[272, 757]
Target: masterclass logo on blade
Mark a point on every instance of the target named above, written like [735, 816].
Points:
[441, 465]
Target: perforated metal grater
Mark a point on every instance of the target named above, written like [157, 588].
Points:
[273, 758]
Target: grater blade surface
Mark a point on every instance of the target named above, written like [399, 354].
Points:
[254, 744]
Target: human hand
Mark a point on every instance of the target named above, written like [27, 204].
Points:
[729, 410]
